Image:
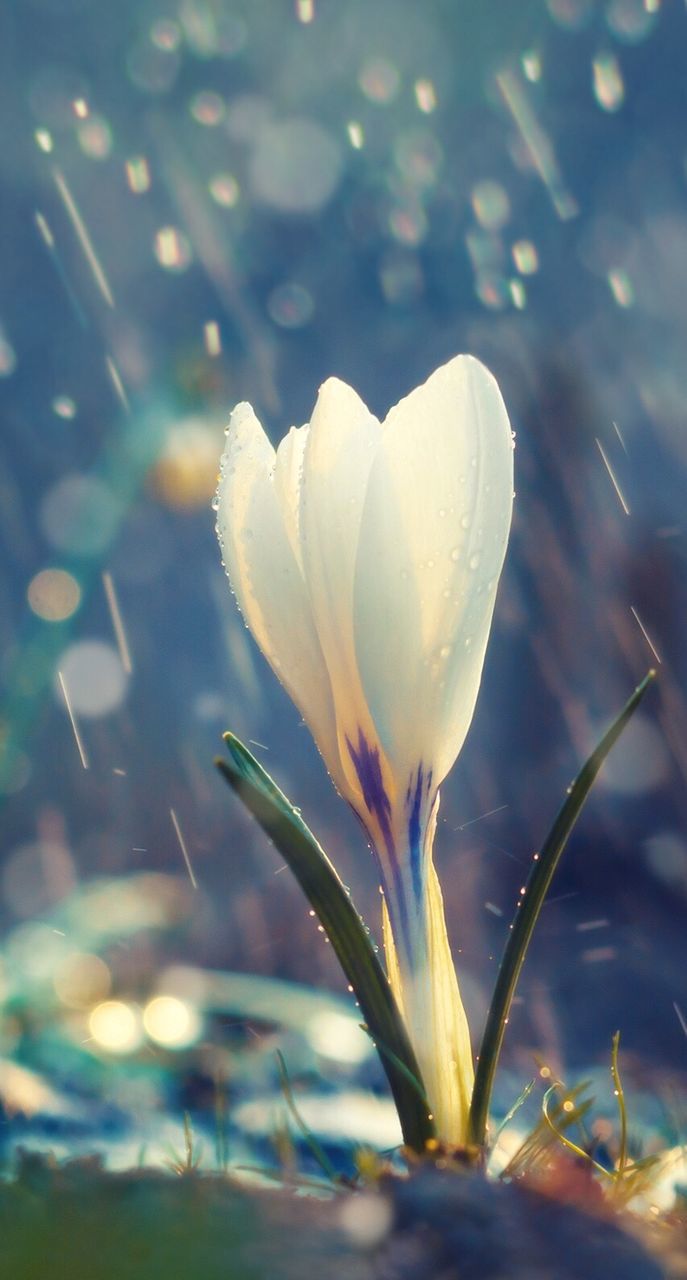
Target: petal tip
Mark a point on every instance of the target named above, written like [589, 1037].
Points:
[336, 395]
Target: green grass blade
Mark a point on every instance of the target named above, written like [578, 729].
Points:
[318, 1151]
[622, 1109]
[513, 1111]
[527, 914]
[343, 926]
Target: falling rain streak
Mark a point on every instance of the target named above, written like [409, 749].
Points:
[83, 237]
[613, 477]
[117, 623]
[645, 633]
[184, 850]
[72, 718]
[116, 380]
[538, 143]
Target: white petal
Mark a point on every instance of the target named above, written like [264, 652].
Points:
[288, 476]
[267, 579]
[431, 547]
[340, 450]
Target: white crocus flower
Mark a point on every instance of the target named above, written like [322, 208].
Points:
[365, 558]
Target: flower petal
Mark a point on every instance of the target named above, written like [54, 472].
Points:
[340, 449]
[429, 1000]
[266, 576]
[288, 476]
[431, 546]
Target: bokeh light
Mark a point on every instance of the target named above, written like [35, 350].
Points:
[64, 407]
[54, 594]
[95, 138]
[379, 80]
[338, 1037]
[79, 514]
[171, 1022]
[296, 166]
[172, 249]
[81, 979]
[185, 474]
[290, 306]
[94, 676]
[115, 1026]
[224, 190]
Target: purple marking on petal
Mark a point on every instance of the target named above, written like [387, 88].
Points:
[416, 835]
[369, 770]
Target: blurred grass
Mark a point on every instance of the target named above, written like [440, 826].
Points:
[76, 1222]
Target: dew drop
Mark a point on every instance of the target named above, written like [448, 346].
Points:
[465, 521]
[474, 560]
[455, 555]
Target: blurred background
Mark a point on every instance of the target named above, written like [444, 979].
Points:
[211, 200]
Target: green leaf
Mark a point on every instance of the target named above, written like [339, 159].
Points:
[343, 926]
[527, 914]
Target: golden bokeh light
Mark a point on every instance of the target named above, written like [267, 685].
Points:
[54, 595]
[185, 475]
[171, 1022]
[115, 1026]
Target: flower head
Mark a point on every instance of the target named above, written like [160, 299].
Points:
[365, 558]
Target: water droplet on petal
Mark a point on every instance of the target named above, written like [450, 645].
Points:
[474, 560]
